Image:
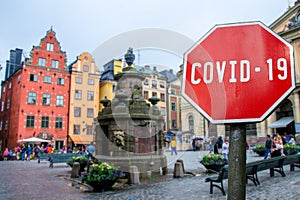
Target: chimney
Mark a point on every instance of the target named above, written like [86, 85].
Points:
[154, 68]
[147, 66]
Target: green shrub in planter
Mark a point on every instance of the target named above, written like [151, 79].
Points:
[102, 176]
[260, 149]
[290, 149]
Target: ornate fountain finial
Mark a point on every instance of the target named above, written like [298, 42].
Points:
[129, 56]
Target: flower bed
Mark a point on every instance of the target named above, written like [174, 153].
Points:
[260, 149]
[102, 176]
[213, 162]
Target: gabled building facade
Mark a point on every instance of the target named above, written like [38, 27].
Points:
[35, 98]
[84, 100]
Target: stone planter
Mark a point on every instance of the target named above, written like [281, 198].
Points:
[260, 152]
[102, 186]
[213, 167]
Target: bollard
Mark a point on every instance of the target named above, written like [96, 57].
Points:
[181, 161]
[75, 170]
[178, 171]
[134, 177]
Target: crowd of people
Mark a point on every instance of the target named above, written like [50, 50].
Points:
[29, 151]
[275, 145]
[26, 152]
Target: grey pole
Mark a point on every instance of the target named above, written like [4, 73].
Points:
[237, 162]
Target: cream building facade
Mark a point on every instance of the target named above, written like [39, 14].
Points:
[84, 99]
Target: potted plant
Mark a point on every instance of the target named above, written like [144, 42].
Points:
[260, 149]
[83, 161]
[290, 149]
[213, 162]
[102, 176]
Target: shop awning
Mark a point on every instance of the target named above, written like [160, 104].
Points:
[82, 139]
[282, 122]
[297, 127]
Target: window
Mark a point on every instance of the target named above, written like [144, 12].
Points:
[42, 62]
[174, 124]
[8, 104]
[31, 98]
[46, 100]
[113, 88]
[89, 130]
[19, 78]
[163, 111]
[78, 80]
[162, 84]
[162, 97]
[45, 122]
[2, 106]
[6, 125]
[9, 86]
[55, 64]
[146, 95]
[90, 95]
[91, 81]
[60, 81]
[173, 106]
[76, 129]
[173, 91]
[154, 84]
[77, 111]
[85, 68]
[59, 100]
[146, 82]
[58, 122]
[1, 125]
[49, 47]
[4, 89]
[29, 121]
[191, 124]
[78, 94]
[154, 94]
[90, 112]
[47, 79]
[33, 77]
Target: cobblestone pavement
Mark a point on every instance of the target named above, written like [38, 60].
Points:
[29, 180]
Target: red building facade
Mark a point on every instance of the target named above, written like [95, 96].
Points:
[35, 99]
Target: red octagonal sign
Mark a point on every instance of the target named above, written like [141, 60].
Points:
[238, 73]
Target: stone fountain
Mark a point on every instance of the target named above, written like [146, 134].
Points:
[130, 131]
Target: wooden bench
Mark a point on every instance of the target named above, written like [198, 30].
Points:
[273, 164]
[57, 158]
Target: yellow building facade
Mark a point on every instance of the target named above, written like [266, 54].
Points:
[84, 99]
[107, 83]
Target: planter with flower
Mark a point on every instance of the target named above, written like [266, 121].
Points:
[213, 162]
[290, 149]
[102, 176]
[83, 161]
[260, 149]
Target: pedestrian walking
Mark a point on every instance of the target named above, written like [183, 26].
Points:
[91, 151]
[225, 149]
[268, 146]
[173, 146]
[29, 152]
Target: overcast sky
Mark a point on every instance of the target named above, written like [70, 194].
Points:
[84, 25]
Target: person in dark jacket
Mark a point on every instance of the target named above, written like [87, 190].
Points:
[268, 146]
